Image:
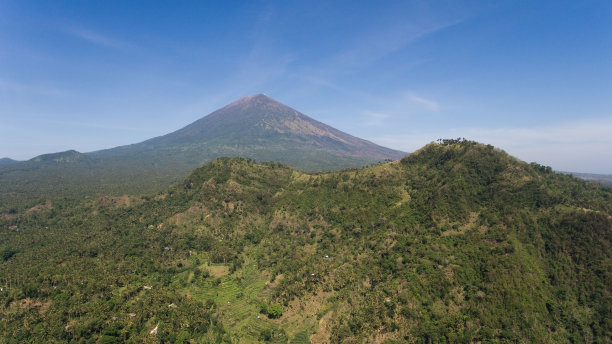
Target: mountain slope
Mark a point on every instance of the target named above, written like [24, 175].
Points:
[255, 127]
[261, 128]
[457, 242]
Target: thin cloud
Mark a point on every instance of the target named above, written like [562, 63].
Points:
[376, 45]
[4, 126]
[428, 104]
[406, 104]
[264, 64]
[98, 39]
[95, 125]
[374, 118]
[258, 71]
[17, 87]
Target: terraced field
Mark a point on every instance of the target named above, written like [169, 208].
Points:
[238, 297]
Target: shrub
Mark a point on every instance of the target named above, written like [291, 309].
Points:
[275, 311]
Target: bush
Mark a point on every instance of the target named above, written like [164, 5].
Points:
[6, 253]
[275, 311]
[266, 335]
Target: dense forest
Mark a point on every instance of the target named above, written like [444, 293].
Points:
[456, 243]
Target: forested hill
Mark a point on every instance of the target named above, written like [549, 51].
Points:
[457, 242]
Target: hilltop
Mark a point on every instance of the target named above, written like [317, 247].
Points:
[70, 156]
[256, 127]
[458, 242]
[6, 161]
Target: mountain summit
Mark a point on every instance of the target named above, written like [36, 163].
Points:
[262, 128]
[260, 115]
[256, 127]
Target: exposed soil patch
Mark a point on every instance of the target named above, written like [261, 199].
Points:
[39, 207]
[7, 216]
[26, 303]
[119, 201]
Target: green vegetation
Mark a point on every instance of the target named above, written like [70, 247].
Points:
[275, 311]
[458, 242]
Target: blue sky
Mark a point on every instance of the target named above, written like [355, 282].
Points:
[531, 77]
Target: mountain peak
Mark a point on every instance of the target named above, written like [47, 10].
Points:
[259, 97]
[255, 101]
